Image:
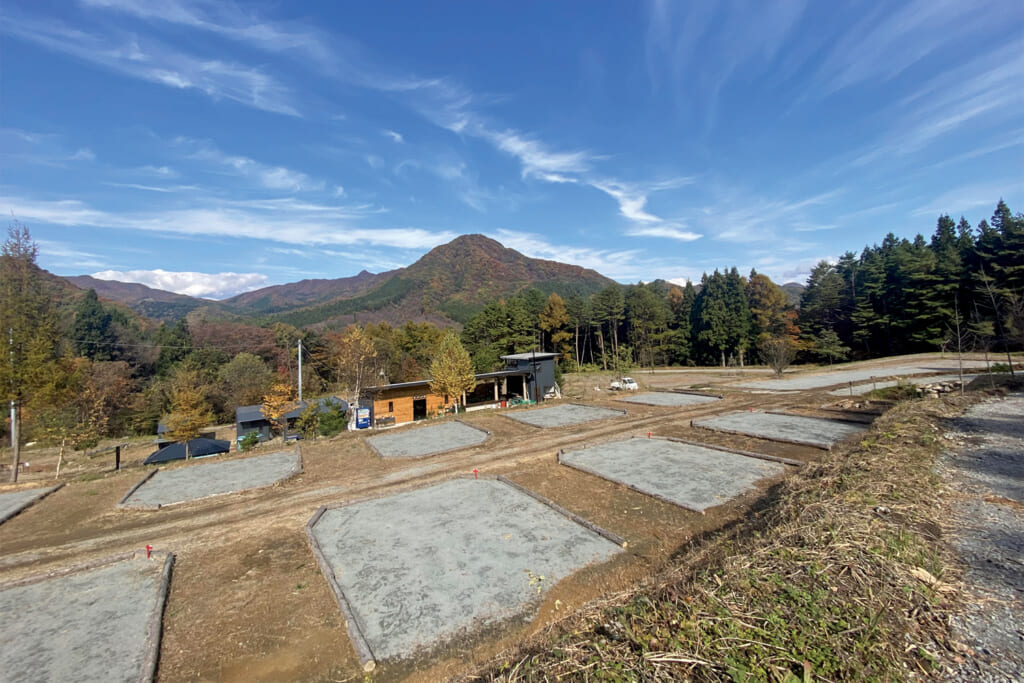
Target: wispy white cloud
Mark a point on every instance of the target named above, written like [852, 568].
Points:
[971, 198]
[397, 137]
[538, 161]
[83, 154]
[272, 220]
[890, 39]
[150, 60]
[613, 263]
[694, 49]
[462, 181]
[202, 285]
[739, 216]
[55, 254]
[672, 232]
[982, 91]
[226, 19]
[156, 188]
[268, 176]
[160, 171]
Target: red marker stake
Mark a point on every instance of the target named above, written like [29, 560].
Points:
[648, 435]
[149, 549]
[475, 474]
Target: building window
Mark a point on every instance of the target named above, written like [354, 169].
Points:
[391, 406]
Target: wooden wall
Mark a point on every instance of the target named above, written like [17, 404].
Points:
[402, 402]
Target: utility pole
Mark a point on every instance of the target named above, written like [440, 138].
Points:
[300, 371]
[15, 440]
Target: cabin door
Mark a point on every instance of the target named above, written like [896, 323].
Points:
[419, 409]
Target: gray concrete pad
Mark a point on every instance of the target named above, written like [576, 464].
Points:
[810, 431]
[689, 476]
[563, 415]
[861, 389]
[97, 624]
[827, 379]
[13, 502]
[669, 398]
[212, 479]
[422, 441]
[417, 569]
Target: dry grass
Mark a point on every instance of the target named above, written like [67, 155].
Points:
[840, 575]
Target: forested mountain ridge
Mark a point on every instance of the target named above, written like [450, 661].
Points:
[448, 284]
[153, 303]
[279, 298]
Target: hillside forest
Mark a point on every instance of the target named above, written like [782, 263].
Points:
[81, 369]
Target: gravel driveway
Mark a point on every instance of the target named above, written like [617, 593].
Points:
[988, 471]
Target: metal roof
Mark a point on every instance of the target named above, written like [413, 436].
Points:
[532, 355]
[255, 413]
[425, 382]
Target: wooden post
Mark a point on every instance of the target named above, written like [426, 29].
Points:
[117, 458]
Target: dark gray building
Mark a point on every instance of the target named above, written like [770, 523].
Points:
[250, 418]
[539, 370]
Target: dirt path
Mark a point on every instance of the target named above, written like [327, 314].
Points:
[987, 474]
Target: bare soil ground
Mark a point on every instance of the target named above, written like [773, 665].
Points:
[247, 600]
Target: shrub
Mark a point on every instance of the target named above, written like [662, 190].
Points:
[333, 421]
[249, 441]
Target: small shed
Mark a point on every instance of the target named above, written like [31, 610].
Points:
[539, 370]
[250, 418]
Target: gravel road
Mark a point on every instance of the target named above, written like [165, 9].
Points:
[988, 472]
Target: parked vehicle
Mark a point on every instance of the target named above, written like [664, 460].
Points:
[625, 384]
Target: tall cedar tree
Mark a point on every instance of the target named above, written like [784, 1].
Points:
[93, 333]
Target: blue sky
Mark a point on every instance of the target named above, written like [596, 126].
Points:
[209, 148]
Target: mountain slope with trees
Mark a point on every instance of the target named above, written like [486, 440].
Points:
[450, 283]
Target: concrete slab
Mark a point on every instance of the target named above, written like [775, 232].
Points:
[563, 415]
[686, 475]
[827, 379]
[861, 389]
[810, 431]
[669, 398]
[417, 569]
[422, 441]
[95, 623]
[13, 502]
[211, 479]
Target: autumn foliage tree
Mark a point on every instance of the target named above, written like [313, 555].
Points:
[451, 371]
[353, 356]
[276, 404]
[189, 410]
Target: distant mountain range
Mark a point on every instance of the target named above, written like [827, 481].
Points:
[448, 284]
